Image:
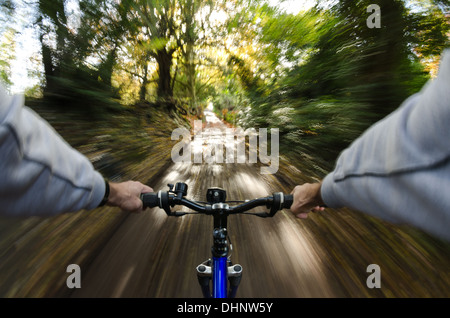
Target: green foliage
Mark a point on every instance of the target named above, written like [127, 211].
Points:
[4, 73]
[321, 76]
[335, 76]
[429, 31]
[7, 44]
[80, 90]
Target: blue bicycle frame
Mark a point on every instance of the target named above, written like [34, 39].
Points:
[220, 277]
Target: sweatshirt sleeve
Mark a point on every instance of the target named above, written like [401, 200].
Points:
[40, 173]
[399, 169]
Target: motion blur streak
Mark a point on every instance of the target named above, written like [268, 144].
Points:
[278, 257]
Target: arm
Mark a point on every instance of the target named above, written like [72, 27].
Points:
[399, 168]
[41, 174]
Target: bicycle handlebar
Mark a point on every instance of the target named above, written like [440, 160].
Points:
[216, 202]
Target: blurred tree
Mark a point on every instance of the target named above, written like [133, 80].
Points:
[154, 24]
[102, 26]
[7, 54]
[382, 54]
[93, 33]
[172, 33]
[196, 25]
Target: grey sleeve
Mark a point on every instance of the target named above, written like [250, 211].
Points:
[399, 169]
[41, 174]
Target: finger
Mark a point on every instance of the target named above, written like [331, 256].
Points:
[146, 189]
[293, 190]
[141, 204]
[139, 208]
[302, 215]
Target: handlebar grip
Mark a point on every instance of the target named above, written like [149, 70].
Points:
[150, 200]
[288, 200]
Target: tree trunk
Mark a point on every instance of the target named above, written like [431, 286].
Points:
[143, 90]
[164, 60]
[48, 66]
[106, 68]
[190, 74]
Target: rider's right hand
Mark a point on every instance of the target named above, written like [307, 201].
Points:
[307, 198]
[127, 195]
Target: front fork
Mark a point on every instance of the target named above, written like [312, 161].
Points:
[205, 275]
[219, 269]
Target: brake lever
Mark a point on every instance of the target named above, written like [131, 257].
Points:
[177, 214]
[262, 214]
